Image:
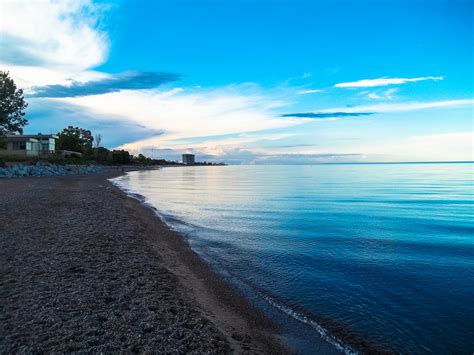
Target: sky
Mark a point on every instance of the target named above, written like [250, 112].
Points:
[250, 81]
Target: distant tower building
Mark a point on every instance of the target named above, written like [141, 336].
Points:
[188, 159]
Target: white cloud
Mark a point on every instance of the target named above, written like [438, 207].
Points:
[191, 113]
[384, 95]
[384, 82]
[390, 92]
[211, 146]
[304, 92]
[374, 96]
[457, 146]
[402, 107]
[48, 42]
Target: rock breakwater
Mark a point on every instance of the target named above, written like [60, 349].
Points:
[45, 169]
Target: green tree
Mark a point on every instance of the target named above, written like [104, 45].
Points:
[102, 155]
[141, 159]
[75, 139]
[12, 106]
[121, 157]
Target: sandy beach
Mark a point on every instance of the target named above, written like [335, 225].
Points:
[86, 268]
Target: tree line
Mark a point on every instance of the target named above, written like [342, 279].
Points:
[80, 140]
[73, 139]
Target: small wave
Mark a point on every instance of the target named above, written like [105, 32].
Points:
[338, 344]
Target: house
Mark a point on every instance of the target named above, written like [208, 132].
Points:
[188, 159]
[29, 145]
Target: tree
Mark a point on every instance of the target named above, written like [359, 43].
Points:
[121, 157]
[12, 106]
[141, 159]
[102, 155]
[98, 140]
[75, 139]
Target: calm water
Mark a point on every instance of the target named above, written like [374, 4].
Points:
[384, 250]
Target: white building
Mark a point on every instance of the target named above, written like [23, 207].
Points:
[29, 145]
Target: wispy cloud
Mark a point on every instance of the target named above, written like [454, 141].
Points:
[402, 107]
[249, 155]
[16, 50]
[388, 94]
[124, 81]
[326, 114]
[52, 47]
[305, 92]
[384, 82]
[46, 42]
[215, 146]
[46, 115]
[184, 113]
[57, 33]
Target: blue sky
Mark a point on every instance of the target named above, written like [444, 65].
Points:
[250, 81]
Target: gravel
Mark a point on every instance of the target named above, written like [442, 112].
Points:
[77, 275]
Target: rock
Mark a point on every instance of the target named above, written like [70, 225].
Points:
[47, 169]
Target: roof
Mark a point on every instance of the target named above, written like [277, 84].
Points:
[33, 136]
[20, 138]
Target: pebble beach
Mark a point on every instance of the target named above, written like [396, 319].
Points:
[86, 268]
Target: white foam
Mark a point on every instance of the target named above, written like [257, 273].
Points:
[337, 343]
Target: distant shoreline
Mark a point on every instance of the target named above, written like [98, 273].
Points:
[398, 162]
[366, 163]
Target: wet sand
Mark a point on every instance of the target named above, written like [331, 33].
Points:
[86, 268]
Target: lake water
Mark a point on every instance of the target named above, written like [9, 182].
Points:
[380, 251]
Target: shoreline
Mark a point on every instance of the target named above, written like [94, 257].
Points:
[91, 269]
[330, 335]
[223, 303]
